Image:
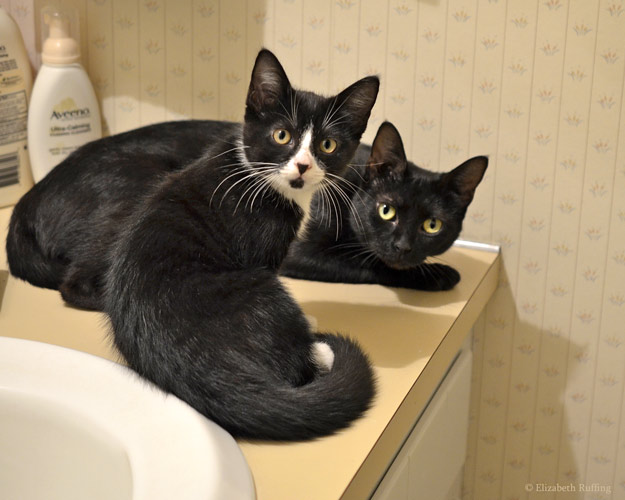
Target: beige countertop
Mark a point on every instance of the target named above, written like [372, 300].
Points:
[411, 337]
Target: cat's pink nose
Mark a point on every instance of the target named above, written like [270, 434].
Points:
[302, 167]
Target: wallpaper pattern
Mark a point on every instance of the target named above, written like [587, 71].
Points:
[535, 84]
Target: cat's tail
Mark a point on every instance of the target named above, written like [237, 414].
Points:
[24, 254]
[341, 391]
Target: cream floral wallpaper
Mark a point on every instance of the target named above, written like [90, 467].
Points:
[535, 84]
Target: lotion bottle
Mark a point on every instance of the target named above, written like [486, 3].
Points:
[64, 112]
[15, 86]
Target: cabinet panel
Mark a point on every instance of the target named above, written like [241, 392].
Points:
[396, 485]
[432, 458]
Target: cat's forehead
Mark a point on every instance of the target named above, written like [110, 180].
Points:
[421, 175]
[312, 100]
[315, 107]
[406, 189]
[417, 180]
[302, 113]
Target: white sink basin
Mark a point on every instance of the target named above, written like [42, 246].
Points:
[74, 426]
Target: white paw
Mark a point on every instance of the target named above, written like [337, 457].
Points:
[323, 356]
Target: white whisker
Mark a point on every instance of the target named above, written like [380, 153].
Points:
[337, 204]
[239, 169]
[289, 116]
[437, 259]
[263, 188]
[337, 209]
[327, 116]
[346, 245]
[260, 186]
[251, 173]
[324, 208]
[328, 122]
[335, 182]
[370, 259]
[236, 148]
[257, 178]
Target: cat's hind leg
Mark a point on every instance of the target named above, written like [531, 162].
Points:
[26, 258]
[82, 287]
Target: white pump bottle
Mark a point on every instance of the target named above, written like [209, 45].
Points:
[64, 112]
[15, 86]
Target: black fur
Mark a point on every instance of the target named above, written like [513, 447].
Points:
[347, 241]
[192, 290]
[60, 230]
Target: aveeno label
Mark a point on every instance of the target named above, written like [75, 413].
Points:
[68, 119]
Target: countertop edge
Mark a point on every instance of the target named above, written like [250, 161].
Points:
[380, 458]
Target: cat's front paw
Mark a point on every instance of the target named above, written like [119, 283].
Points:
[437, 277]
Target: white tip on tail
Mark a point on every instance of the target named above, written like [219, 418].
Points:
[323, 356]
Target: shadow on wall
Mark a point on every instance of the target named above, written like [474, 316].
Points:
[522, 450]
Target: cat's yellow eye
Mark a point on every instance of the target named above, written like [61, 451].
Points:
[386, 211]
[432, 226]
[328, 146]
[281, 136]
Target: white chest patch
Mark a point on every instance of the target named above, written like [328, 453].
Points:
[301, 176]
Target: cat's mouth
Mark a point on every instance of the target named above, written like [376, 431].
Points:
[402, 264]
[297, 183]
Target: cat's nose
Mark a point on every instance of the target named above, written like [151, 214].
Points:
[402, 245]
[302, 167]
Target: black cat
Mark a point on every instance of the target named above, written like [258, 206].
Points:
[192, 289]
[389, 218]
[60, 230]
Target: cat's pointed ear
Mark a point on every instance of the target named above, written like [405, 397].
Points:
[356, 102]
[465, 178]
[387, 152]
[269, 82]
